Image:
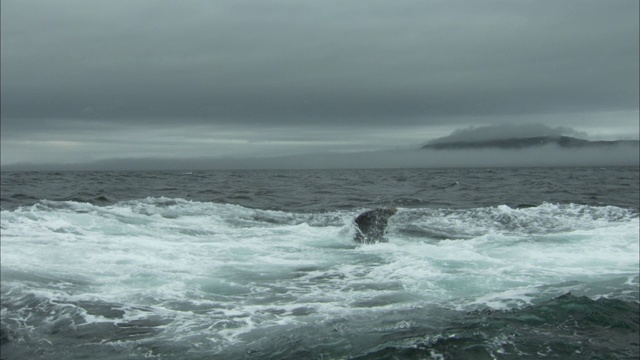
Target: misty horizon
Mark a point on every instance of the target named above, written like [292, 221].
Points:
[543, 156]
[401, 157]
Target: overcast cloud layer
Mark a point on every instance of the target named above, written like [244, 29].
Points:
[86, 81]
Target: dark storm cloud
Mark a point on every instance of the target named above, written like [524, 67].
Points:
[293, 62]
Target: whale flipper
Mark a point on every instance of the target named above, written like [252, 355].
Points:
[371, 224]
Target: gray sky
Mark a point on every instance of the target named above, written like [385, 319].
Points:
[86, 81]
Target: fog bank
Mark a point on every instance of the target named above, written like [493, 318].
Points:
[507, 131]
[546, 156]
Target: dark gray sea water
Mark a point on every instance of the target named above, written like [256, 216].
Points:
[498, 263]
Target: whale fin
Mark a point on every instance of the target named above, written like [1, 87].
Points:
[371, 225]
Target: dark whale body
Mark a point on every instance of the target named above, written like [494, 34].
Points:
[370, 225]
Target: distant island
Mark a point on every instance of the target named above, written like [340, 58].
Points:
[526, 142]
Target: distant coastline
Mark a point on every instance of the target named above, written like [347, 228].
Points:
[526, 142]
[538, 151]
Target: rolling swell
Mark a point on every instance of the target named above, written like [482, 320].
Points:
[567, 327]
[327, 190]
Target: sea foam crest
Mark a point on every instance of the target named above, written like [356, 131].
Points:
[544, 219]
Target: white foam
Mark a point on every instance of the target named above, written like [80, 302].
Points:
[241, 269]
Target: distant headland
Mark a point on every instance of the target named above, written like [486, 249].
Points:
[526, 142]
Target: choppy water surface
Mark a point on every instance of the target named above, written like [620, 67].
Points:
[483, 263]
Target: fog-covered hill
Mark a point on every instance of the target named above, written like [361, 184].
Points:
[526, 142]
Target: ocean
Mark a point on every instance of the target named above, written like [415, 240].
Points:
[482, 263]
